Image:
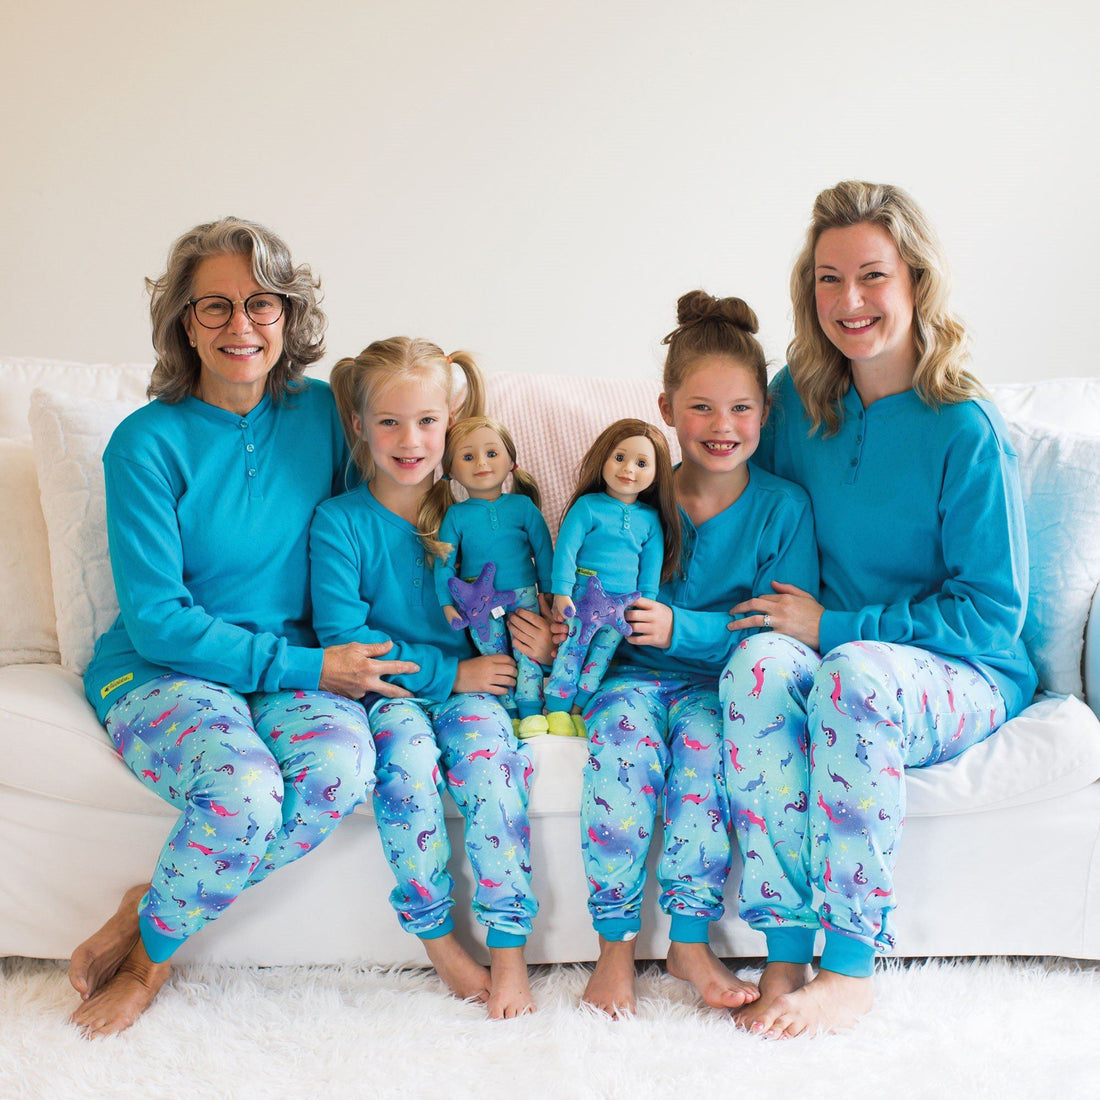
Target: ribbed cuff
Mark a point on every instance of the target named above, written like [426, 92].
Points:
[158, 946]
[498, 938]
[846, 955]
[689, 929]
[790, 945]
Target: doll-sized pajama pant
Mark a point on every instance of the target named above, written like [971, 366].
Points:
[465, 744]
[816, 752]
[527, 698]
[580, 667]
[260, 779]
[655, 735]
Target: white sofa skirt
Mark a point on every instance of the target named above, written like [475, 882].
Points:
[1000, 856]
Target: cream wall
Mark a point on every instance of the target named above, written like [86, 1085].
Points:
[539, 182]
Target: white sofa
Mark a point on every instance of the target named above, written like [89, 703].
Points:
[1001, 853]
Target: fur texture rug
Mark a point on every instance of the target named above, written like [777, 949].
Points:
[990, 1028]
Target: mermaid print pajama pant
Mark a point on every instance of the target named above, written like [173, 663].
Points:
[465, 744]
[527, 698]
[260, 779]
[816, 750]
[655, 736]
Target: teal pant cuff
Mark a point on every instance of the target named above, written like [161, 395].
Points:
[846, 955]
[790, 945]
[498, 938]
[158, 946]
[439, 931]
[689, 929]
[554, 706]
[617, 929]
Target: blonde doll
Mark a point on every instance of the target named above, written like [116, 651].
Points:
[492, 549]
[619, 540]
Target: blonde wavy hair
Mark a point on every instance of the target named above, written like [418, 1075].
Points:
[441, 495]
[358, 381]
[820, 373]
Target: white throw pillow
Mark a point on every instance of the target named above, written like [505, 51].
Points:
[27, 626]
[70, 434]
[1060, 479]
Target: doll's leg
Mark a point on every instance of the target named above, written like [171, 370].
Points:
[529, 674]
[600, 651]
[565, 673]
[408, 805]
[488, 772]
[324, 748]
[622, 786]
[876, 709]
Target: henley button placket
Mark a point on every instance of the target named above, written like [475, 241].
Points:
[255, 490]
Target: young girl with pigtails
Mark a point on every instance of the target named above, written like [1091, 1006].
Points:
[655, 726]
[619, 540]
[494, 551]
[372, 581]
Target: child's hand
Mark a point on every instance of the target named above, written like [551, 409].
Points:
[352, 670]
[455, 617]
[494, 674]
[546, 605]
[651, 624]
[562, 609]
[531, 636]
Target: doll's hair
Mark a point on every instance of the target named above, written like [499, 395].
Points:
[659, 495]
[441, 496]
[820, 372]
[713, 326]
[358, 382]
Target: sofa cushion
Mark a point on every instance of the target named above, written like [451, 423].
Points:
[27, 631]
[19, 378]
[69, 435]
[52, 745]
[1060, 479]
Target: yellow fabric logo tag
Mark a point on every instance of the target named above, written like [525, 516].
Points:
[115, 684]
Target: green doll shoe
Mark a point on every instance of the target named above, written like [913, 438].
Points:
[560, 722]
[534, 725]
[579, 728]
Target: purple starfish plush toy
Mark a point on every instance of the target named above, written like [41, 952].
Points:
[478, 599]
[596, 608]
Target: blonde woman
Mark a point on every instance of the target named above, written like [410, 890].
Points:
[913, 652]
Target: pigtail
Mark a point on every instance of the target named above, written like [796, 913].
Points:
[524, 483]
[473, 402]
[430, 515]
[344, 382]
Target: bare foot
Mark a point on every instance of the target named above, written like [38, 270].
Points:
[830, 1002]
[466, 979]
[716, 983]
[510, 993]
[99, 956]
[778, 980]
[125, 996]
[611, 987]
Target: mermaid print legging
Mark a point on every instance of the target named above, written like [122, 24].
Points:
[651, 736]
[465, 744]
[816, 750]
[260, 779]
[527, 698]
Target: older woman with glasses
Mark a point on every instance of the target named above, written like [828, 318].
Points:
[211, 683]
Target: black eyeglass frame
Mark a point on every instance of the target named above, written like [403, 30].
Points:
[193, 303]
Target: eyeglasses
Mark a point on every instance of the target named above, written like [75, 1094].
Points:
[215, 310]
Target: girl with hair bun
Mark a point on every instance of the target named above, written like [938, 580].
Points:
[913, 652]
[372, 582]
[655, 731]
[494, 544]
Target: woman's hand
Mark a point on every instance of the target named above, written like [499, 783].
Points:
[650, 623]
[352, 670]
[531, 636]
[790, 611]
[494, 674]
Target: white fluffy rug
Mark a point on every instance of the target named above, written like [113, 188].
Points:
[993, 1028]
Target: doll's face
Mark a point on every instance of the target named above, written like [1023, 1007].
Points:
[482, 464]
[630, 469]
